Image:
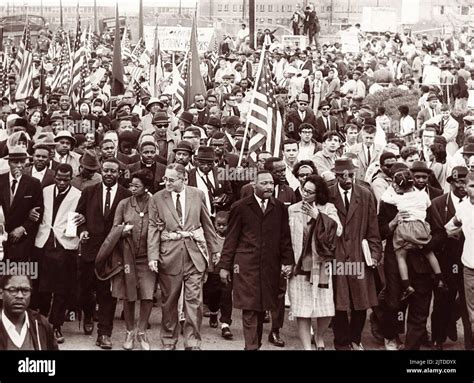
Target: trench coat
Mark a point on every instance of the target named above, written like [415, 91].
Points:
[255, 248]
[359, 223]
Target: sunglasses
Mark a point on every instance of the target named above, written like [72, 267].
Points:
[303, 103]
[325, 109]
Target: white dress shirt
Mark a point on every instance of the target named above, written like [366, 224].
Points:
[201, 185]
[17, 338]
[342, 192]
[182, 200]
[16, 186]
[302, 115]
[259, 201]
[38, 175]
[113, 191]
[456, 201]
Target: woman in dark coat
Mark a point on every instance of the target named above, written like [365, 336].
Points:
[136, 281]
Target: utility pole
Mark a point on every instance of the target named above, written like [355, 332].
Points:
[244, 7]
[252, 23]
[179, 12]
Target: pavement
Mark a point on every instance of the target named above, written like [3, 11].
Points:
[75, 339]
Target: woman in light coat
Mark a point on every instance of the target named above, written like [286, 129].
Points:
[308, 300]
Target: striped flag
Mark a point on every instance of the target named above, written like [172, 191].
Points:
[62, 74]
[214, 56]
[156, 68]
[2, 79]
[25, 45]
[75, 90]
[179, 80]
[264, 123]
[25, 73]
[126, 46]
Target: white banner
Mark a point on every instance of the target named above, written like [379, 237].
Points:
[294, 41]
[380, 19]
[177, 38]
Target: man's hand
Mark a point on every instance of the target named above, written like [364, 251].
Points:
[34, 214]
[16, 234]
[79, 220]
[286, 270]
[225, 276]
[84, 236]
[153, 265]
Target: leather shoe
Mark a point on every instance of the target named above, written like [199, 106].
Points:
[58, 336]
[193, 348]
[213, 323]
[88, 327]
[169, 347]
[274, 338]
[104, 342]
[226, 333]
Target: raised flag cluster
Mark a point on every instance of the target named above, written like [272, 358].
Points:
[24, 64]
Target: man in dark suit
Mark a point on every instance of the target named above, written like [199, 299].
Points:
[148, 153]
[218, 192]
[296, 117]
[20, 193]
[40, 167]
[257, 252]
[446, 309]
[97, 205]
[285, 194]
[354, 292]
[325, 123]
[222, 157]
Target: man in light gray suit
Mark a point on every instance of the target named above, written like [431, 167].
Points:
[367, 151]
[180, 237]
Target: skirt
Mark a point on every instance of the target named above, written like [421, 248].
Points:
[307, 299]
[411, 235]
[145, 282]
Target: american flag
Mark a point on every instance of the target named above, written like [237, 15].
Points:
[25, 45]
[2, 79]
[62, 74]
[156, 69]
[214, 56]
[138, 50]
[264, 122]
[126, 46]
[78, 61]
[179, 80]
[25, 59]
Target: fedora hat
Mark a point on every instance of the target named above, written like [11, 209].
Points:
[457, 173]
[468, 149]
[33, 103]
[89, 160]
[420, 166]
[187, 117]
[65, 134]
[147, 140]
[205, 153]
[46, 138]
[343, 165]
[184, 146]
[214, 122]
[432, 97]
[160, 118]
[56, 116]
[17, 153]
[303, 97]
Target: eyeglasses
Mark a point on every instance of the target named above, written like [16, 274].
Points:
[308, 132]
[161, 125]
[170, 180]
[15, 290]
[303, 175]
[325, 109]
[303, 103]
[306, 191]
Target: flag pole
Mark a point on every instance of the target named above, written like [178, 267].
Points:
[257, 77]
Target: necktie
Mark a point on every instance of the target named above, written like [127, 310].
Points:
[210, 191]
[107, 202]
[179, 209]
[346, 199]
[262, 206]
[327, 123]
[368, 156]
[14, 182]
[460, 199]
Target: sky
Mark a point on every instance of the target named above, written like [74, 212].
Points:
[127, 5]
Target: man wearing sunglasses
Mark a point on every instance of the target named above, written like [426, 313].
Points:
[326, 122]
[383, 178]
[296, 117]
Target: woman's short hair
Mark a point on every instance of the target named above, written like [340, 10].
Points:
[145, 176]
[322, 190]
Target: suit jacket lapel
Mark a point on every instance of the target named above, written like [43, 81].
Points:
[353, 203]
[188, 205]
[6, 194]
[171, 207]
[20, 191]
[100, 197]
[450, 208]
[338, 203]
[270, 205]
[256, 208]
